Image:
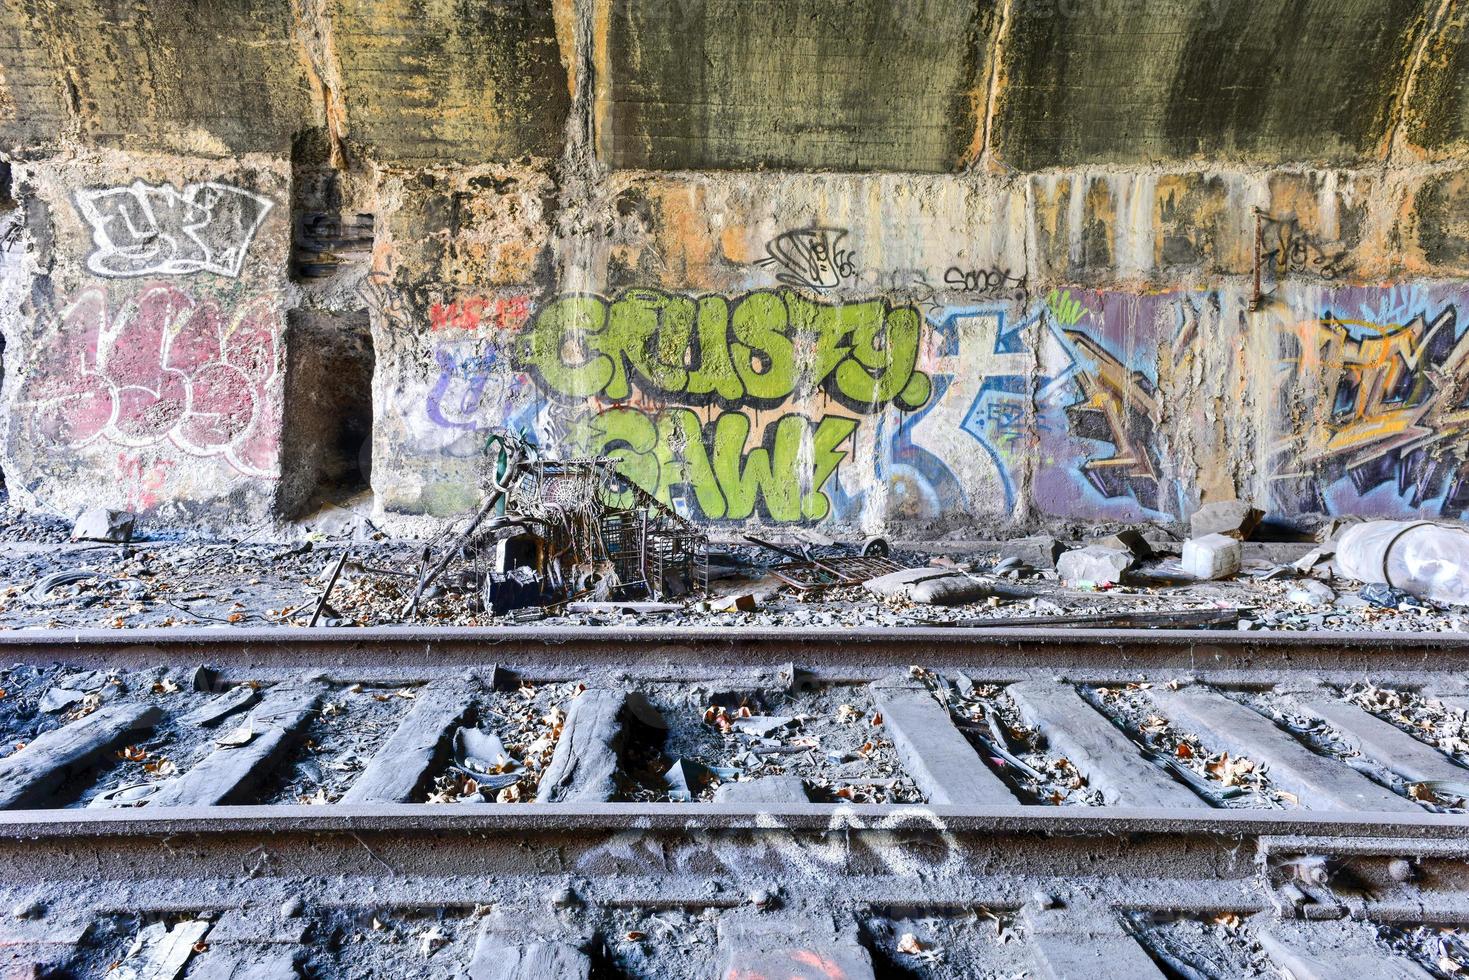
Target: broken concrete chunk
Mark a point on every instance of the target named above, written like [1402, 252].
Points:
[1041, 551]
[1128, 540]
[765, 789]
[1094, 564]
[160, 953]
[101, 524]
[1328, 532]
[217, 709]
[58, 699]
[1235, 518]
[1212, 556]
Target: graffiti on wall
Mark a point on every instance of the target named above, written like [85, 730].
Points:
[812, 258]
[1374, 401]
[739, 406]
[162, 230]
[1287, 249]
[1368, 394]
[992, 283]
[162, 365]
[480, 313]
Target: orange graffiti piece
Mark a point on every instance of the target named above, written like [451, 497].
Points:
[1382, 392]
[1118, 406]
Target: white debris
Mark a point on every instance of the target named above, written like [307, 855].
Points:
[1212, 556]
[1094, 565]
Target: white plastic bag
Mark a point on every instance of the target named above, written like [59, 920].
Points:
[1420, 557]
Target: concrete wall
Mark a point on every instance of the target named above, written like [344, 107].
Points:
[938, 266]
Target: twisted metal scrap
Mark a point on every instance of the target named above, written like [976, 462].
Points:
[516, 449]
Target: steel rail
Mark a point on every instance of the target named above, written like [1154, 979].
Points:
[490, 818]
[830, 654]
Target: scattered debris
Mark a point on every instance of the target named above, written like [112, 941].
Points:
[578, 545]
[1417, 556]
[809, 573]
[1311, 593]
[1041, 551]
[1234, 518]
[1213, 556]
[929, 586]
[743, 602]
[1094, 565]
[101, 524]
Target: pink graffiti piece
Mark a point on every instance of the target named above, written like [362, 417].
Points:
[163, 366]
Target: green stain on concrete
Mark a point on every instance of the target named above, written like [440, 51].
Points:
[1264, 81]
[733, 84]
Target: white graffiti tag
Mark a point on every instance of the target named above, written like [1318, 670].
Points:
[143, 230]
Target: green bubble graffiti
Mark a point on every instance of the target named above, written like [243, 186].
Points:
[748, 354]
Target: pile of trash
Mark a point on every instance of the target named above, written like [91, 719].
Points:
[570, 542]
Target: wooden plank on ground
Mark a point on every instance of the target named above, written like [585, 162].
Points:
[1386, 744]
[1086, 943]
[34, 775]
[1320, 783]
[584, 763]
[406, 762]
[231, 773]
[1333, 951]
[764, 789]
[937, 756]
[1108, 759]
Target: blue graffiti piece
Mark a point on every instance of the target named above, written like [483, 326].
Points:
[928, 471]
[474, 372]
[1010, 341]
[947, 330]
[1394, 306]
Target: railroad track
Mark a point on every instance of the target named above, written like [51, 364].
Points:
[640, 803]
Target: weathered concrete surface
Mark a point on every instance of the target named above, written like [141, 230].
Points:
[863, 85]
[950, 267]
[1173, 80]
[206, 79]
[437, 81]
[144, 362]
